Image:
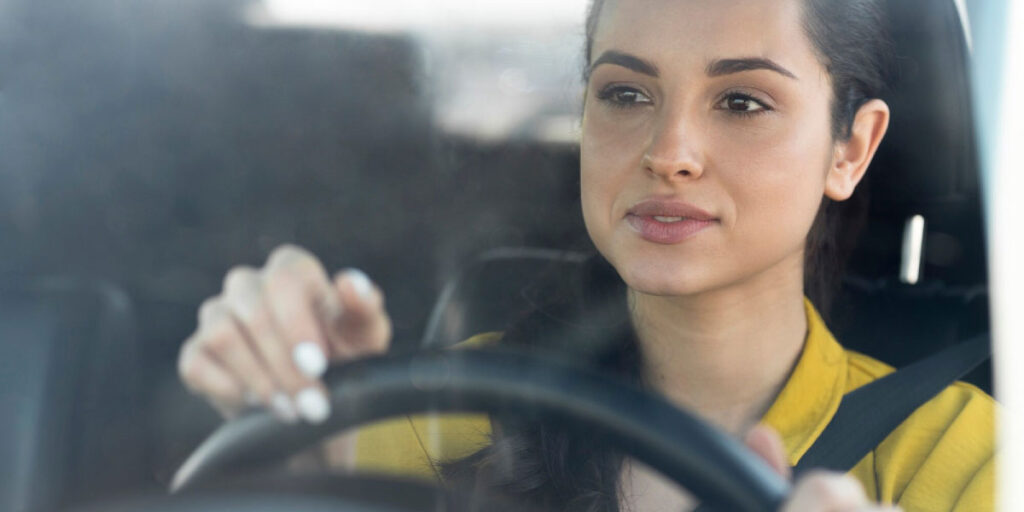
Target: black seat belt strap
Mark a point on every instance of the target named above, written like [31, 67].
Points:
[867, 415]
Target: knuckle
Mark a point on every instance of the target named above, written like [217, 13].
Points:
[241, 279]
[216, 326]
[847, 483]
[277, 279]
[830, 488]
[193, 378]
[188, 368]
[210, 310]
[311, 268]
[190, 375]
[219, 339]
[817, 484]
[289, 256]
[292, 290]
[249, 310]
[303, 274]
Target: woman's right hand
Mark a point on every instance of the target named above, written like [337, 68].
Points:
[270, 334]
[819, 491]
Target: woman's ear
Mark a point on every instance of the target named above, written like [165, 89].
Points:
[852, 157]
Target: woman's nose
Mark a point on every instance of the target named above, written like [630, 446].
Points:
[673, 151]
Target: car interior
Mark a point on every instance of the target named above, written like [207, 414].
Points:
[146, 150]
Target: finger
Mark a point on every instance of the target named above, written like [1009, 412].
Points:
[250, 352]
[203, 376]
[294, 285]
[253, 313]
[766, 442]
[222, 341]
[827, 492]
[364, 327]
[297, 291]
[241, 306]
[244, 293]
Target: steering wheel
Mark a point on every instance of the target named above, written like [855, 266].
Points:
[718, 470]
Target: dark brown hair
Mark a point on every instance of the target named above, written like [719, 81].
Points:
[543, 465]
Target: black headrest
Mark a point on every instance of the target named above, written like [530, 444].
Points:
[928, 163]
[928, 159]
[927, 166]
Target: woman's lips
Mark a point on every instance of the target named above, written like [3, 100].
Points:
[668, 222]
[656, 229]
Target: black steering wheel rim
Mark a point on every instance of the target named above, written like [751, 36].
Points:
[714, 467]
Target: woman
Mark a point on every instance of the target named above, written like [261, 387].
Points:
[716, 136]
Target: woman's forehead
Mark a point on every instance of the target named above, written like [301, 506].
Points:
[677, 33]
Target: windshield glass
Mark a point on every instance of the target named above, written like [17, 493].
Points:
[742, 209]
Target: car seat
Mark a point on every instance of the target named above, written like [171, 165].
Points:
[68, 393]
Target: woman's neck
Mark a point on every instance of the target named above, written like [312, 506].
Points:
[726, 353]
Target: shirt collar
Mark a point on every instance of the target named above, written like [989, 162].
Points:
[812, 394]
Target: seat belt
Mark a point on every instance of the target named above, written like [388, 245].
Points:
[868, 414]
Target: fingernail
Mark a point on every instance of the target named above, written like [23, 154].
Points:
[283, 408]
[310, 359]
[313, 405]
[360, 282]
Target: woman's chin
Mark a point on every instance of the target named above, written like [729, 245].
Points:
[664, 281]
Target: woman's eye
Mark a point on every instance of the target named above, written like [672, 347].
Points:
[742, 104]
[621, 96]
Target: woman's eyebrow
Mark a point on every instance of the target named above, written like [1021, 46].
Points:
[720, 67]
[715, 68]
[625, 60]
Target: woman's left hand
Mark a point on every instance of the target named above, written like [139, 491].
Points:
[819, 491]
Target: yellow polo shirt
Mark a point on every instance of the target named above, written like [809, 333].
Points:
[939, 459]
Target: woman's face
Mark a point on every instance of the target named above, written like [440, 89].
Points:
[714, 111]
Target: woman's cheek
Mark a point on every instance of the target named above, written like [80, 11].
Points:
[610, 152]
[616, 137]
[776, 184]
